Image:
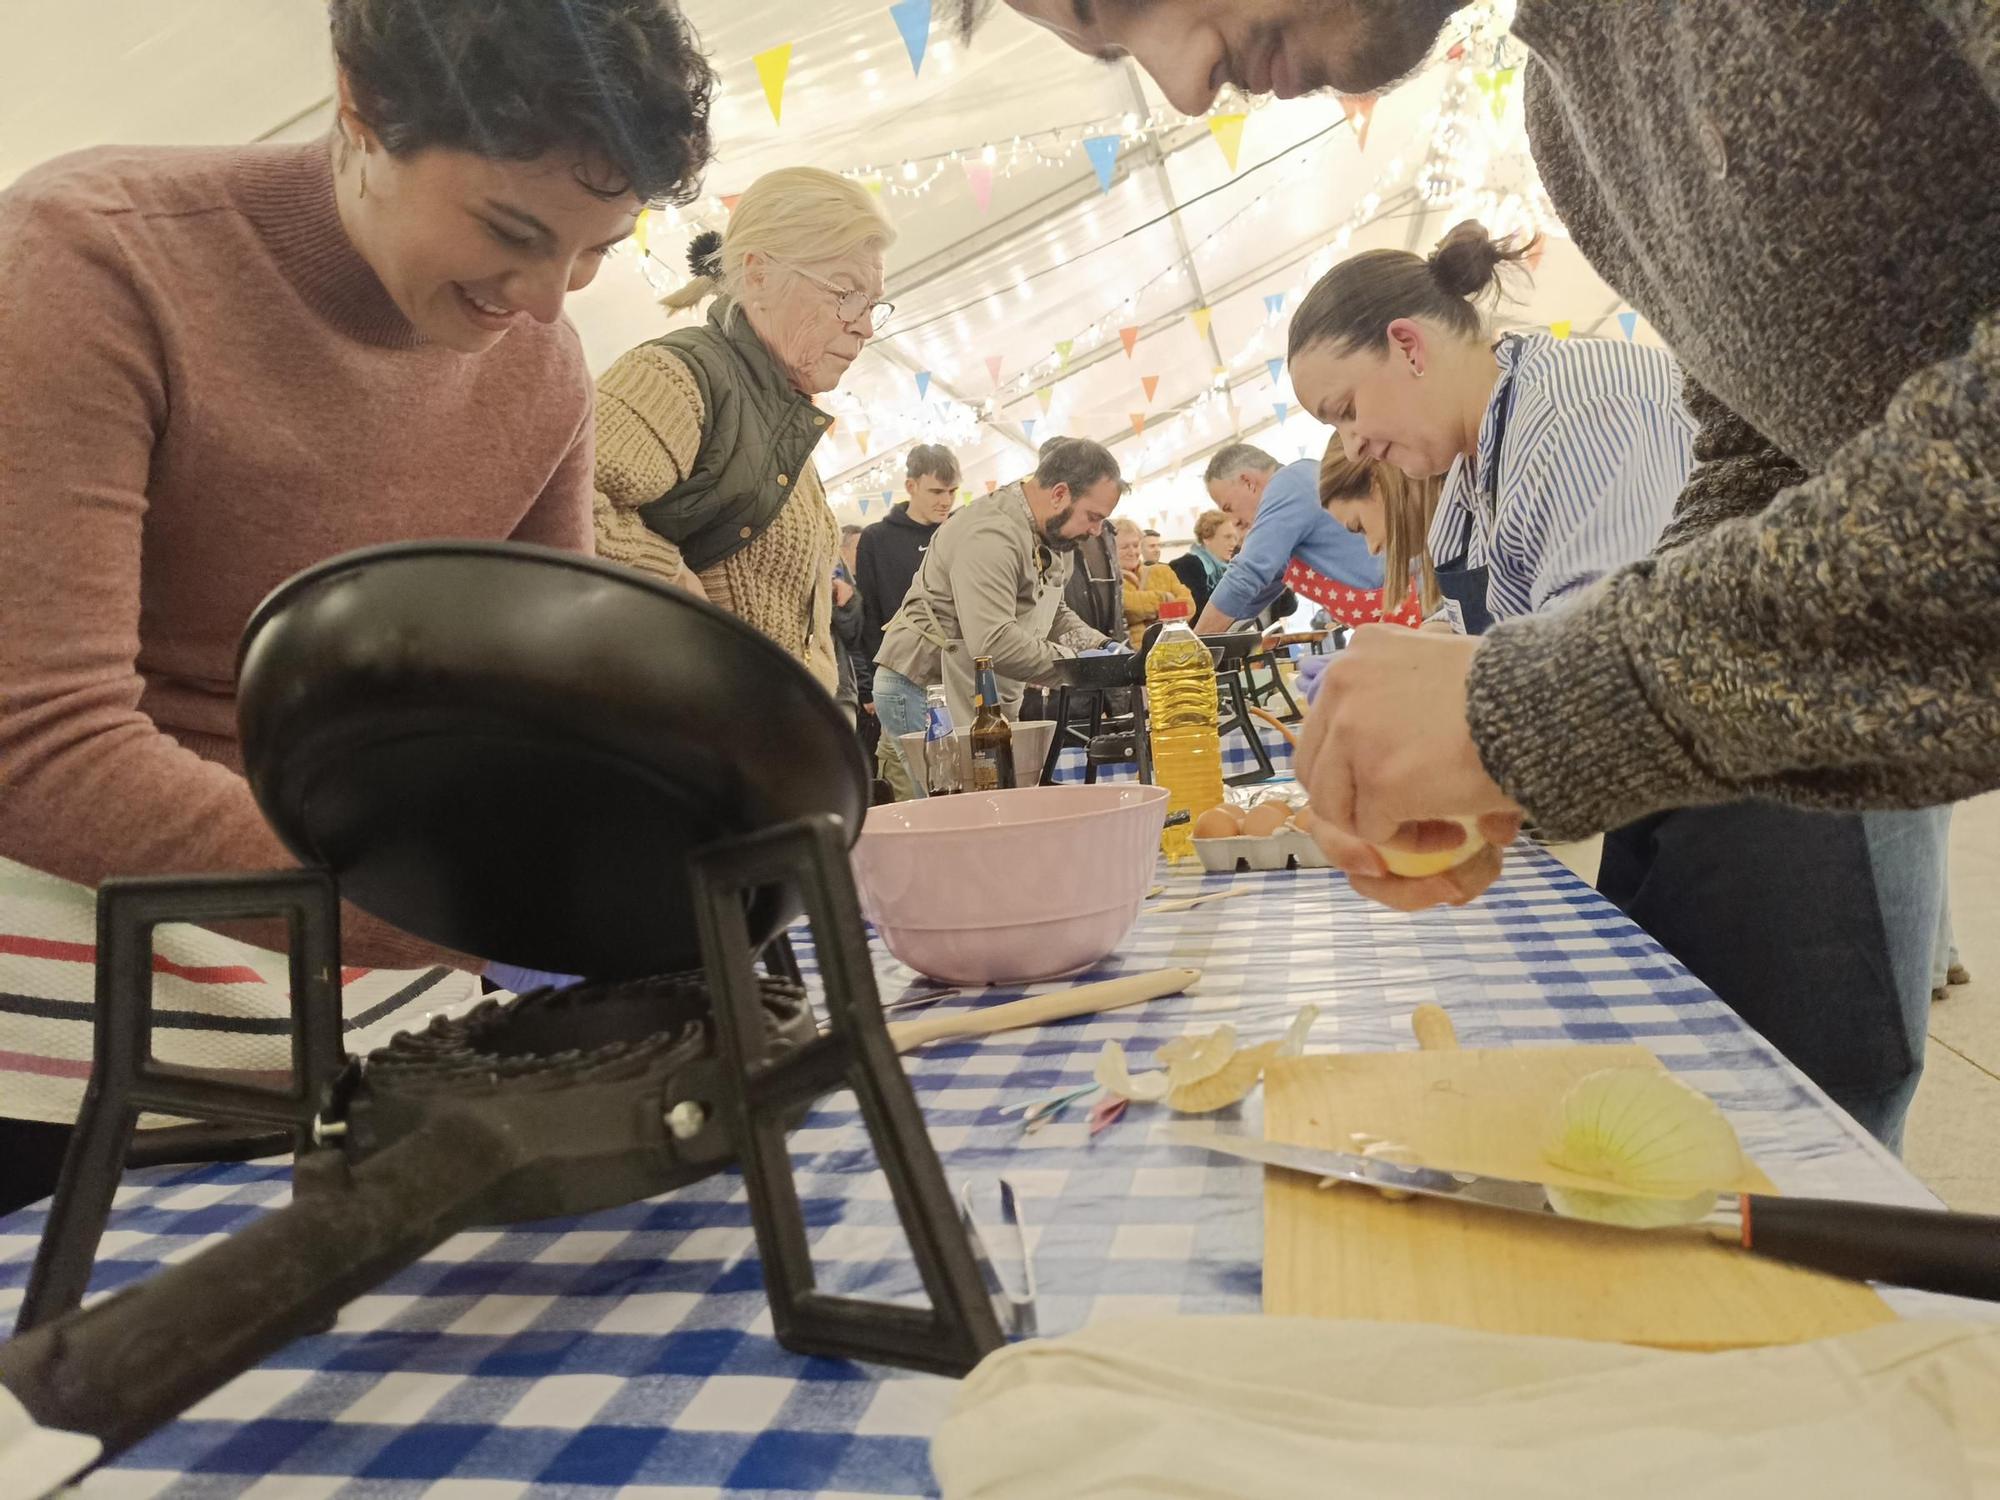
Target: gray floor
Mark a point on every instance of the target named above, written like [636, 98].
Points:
[1955, 1122]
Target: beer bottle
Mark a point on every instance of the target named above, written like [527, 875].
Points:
[992, 736]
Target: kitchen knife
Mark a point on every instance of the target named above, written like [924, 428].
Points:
[1932, 1250]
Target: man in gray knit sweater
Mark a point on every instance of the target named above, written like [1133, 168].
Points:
[1802, 198]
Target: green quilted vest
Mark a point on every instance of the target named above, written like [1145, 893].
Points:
[757, 434]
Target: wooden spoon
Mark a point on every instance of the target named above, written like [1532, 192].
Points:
[1039, 1010]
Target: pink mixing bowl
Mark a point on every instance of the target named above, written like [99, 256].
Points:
[992, 887]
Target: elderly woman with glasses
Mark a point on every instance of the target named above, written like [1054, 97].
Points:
[704, 461]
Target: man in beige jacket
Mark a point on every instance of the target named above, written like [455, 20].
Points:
[992, 585]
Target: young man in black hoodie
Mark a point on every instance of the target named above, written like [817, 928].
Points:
[887, 559]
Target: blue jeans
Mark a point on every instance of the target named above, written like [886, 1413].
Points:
[900, 705]
[1815, 928]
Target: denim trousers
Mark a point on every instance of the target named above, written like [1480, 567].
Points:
[900, 705]
[1816, 928]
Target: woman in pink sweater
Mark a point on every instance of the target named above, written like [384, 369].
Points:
[224, 365]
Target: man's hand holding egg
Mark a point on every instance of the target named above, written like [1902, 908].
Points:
[1385, 751]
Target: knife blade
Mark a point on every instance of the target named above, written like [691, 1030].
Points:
[1932, 1250]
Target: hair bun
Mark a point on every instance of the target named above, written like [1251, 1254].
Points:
[705, 254]
[1468, 260]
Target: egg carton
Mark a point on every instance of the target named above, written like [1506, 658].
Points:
[1287, 849]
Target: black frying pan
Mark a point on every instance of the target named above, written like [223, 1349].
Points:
[512, 751]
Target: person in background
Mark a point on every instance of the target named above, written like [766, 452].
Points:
[887, 558]
[992, 585]
[1096, 587]
[1287, 539]
[1147, 585]
[1200, 567]
[1150, 553]
[1563, 459]
[1392, 513]
[226, 364]
[705, 476]
[850, 541]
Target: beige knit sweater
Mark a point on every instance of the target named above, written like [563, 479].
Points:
[649, 430]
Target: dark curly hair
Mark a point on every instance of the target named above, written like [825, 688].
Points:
[621, 81]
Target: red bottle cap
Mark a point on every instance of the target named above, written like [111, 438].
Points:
[1175, 609]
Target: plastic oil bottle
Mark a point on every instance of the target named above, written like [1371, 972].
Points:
[1181, 708]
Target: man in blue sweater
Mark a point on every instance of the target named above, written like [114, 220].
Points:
[1288, 541]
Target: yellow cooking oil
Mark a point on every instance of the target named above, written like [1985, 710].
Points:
[1181, 710]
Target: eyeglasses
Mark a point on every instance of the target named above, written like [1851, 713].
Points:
[850, 304]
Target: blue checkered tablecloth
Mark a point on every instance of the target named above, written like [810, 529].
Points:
[632, 1350]
[1237, 759]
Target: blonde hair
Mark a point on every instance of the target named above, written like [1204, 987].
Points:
[798, 214]
[1208, 523]
[1125, 526]
[1407, 507]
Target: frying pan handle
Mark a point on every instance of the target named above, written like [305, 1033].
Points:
[1929, 1249]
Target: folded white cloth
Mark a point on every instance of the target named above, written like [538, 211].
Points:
[1277, 1407]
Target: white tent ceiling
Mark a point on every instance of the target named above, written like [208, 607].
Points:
[1051, 259]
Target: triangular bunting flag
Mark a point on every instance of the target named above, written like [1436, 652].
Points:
[640, 228]
[887, 496]
[1537, 247]
[1561, 330]
[1150, 383]
[980, 179]
[992, 485]
[1283, 409]
[1138, 424]
[923, 383]
[1228, 133]
[993, 367]
[864, 505]
[1045, 396]
[873, 184]
[1063, 346]
[831, 423]
[1629, 321]
[1028, 426]
[1274, 303]
[1276, 367]
[1200, 317]
[773, 63]
[913, 19]
[1129, 336]
[861, 436]
[1103, 153]
[1362, 109]
[730, 200]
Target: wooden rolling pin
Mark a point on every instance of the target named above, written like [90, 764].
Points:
[1039, 1010]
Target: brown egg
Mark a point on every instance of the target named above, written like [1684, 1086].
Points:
[1266, 819]
[1217, 823]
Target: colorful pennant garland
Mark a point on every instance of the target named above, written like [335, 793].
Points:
[979, 178]
[913, 19]
[1103, 153]
[1228, 133]
[923, 383]
[1129, 336]
[1629, 321]
[1200, 318]
[773, 63]
[1150, 384]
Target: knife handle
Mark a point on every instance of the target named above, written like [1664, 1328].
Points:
[1930, 1249]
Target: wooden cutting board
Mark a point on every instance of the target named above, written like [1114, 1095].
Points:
[1348, 1252]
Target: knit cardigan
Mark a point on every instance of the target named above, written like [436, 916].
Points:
[1802, 200]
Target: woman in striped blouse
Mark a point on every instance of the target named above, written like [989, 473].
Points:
[1562, 461]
